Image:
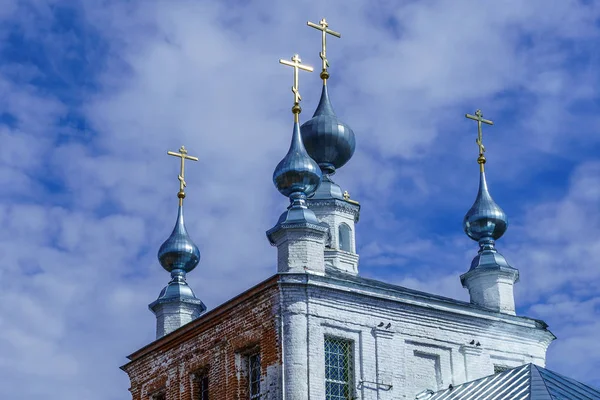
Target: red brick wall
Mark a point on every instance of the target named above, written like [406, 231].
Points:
[217, 343]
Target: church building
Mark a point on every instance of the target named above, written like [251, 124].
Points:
[317, 329]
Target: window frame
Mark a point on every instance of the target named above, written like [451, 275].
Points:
[252, 357]
[201, 384]
[349, 364]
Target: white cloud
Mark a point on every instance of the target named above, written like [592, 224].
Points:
[206, 75]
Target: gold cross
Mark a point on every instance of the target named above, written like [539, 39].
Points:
[348, 199]
[296, 63]
[323, 27]
[479, 118]
[183, 155]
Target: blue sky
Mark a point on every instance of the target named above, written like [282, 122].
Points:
[94, 93]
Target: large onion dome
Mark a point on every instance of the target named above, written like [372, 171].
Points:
[329, 141]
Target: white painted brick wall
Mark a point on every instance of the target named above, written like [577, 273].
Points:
[171, 316]
[407, 350]
[334, 213]
[492, 288]
[300, 250]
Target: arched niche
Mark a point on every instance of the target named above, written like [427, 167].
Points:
[345, 237]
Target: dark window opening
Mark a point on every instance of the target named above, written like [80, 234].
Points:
[254, 376]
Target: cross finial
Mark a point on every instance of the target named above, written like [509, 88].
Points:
[323, 27]
[296, 64]
[346, 196]
[479, 118]
[183, 155]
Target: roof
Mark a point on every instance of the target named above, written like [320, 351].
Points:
[348, 280]
[527, 382]
[401, 290]
[183, 333]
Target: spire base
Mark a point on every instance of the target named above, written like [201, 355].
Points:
[176, 306]
[299, 238]
[492, 287]
[490, 279]
[300, 245]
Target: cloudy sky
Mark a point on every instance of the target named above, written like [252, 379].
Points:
[93, 93]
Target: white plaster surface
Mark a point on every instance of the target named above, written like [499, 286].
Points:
[411, 342]
[335, 213]
[171, 316]
[492, 288]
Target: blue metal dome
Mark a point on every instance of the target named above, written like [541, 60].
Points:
[178, 252]
[485, 219]
[176, 289]
[297, 172]
[329, 141]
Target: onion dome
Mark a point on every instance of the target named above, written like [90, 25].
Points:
[297, 173]
[485, 219]
[178, 252]
[485, 222]
[178, 255]
[329, 141]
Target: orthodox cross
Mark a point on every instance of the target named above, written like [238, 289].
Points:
[296, 64]
[183, 155]
[348, 199]
[323, 27]
[479, 118]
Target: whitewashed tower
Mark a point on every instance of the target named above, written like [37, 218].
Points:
[331, 143]
[177, 304]
[490, 279]
[298, 235]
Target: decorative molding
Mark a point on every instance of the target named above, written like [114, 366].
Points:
[470, 349]
[338, 205]
[382, 333]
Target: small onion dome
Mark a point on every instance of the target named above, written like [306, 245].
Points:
[297, 172]
[485, 219]
[329, 141]
[178, 251]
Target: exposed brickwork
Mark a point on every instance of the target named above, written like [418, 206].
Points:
[218, 343]
[403, 342]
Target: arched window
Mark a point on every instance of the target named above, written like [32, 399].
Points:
[345, 235]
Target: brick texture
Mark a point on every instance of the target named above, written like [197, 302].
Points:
[403, 342]
[218, 343]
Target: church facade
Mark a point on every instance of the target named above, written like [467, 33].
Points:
[295, 334]
[316, 329]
